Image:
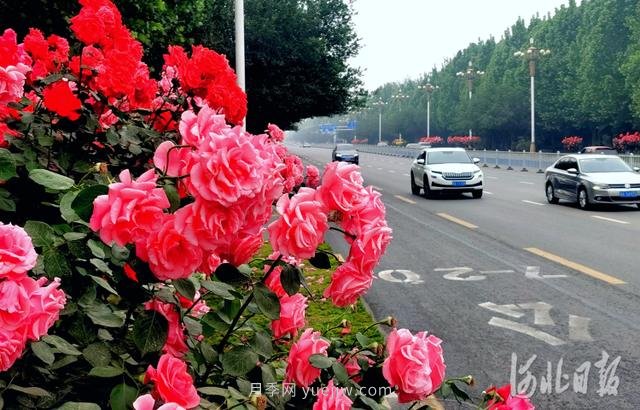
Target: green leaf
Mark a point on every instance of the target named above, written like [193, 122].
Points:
[66, 360]
[173, 196]
[362, 339]
[83, 202]
[96, 248]
[290, 278]
[238, 361]
[102, 315]
[372, 404]
[213, 391]
[51, 180]
[320, 361]
[194, 327]
[268, 374]
[122, 397]
[43, 352]
[105, 371]
[31, 391]
[74, 405]
[459, 393]
[208, 352]
[41, 233]
[7, 165]
[103, 283]
[74, 236]
[267, 301]
[261, 343]
[97, 354]
[100, 265]
[228, 273]
[150, 332]
[62, 345]
[55, 263]
[340, 372]
[67, 212]
[185, 287]
[218, 288]
[320, 260]
[6, 203]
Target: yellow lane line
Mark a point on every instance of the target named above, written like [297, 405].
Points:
[576, 266]
[407, 200]
[457, 220]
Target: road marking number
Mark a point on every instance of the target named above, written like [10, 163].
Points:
[408, 276]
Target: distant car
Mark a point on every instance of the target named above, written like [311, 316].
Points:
[346, 153]
[306, 145]
[446, 170]
[383, 144]
[413, 145]
[598, 149]
[588, 179]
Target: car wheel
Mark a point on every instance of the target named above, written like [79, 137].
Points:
[583, 199]
[477, 194]
[415, 189]
[551, 194]
[425, 186]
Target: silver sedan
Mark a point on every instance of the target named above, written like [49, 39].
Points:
[589, 179]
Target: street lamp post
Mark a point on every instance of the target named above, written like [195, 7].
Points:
[532, 55]
[379, 104]
[400, 97]
[470, 74]
[429, 89]
[240, 65]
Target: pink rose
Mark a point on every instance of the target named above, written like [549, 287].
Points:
[172, 160]
[368, 247]
[273, 281]
[332, 398]
[501, 399]
[46, 304]
[169, 254]
[348, 283]
[147, 402]
[275, 132]
[12, 344]
[342, 188]
[200, 309]
[292, 314]
[197, 129]
[292, 174]
[299, 370]
[175, 344]
[210, 264]
[415, 365]
[172, 382]
[301, 225]
[12, 79]
[373, 214]
[240, 248]
[15, 305]
[313, 177]
[206, 224]
[130, 211]
[17, 255]
[352, 366]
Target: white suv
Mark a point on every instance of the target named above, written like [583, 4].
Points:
[446, 170]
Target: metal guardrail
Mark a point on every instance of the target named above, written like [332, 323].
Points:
[516, 160]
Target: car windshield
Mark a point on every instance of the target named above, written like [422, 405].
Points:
[344, 147]
[606, 164]
[446, 157]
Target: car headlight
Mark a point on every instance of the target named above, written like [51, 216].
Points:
[338, 155]
[601, 186]
[477, 171]
[436, 172]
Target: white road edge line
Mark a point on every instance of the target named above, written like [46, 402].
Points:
[405, 175]
[492, 177]
[532, 202]
[392, 171]
[488, 193]
[527, 183]
[610, 219]
[407, 200]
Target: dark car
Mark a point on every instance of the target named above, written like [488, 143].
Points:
[592, 179]
[598, 149]
[346, 153]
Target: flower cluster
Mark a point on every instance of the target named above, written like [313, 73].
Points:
[571, 142]
[501, 399]
[28, 307]
[627, 141]
[434, 140]
[464, 140]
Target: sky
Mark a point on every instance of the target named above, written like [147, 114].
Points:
[402, 39]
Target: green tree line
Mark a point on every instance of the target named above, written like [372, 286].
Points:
[588, 86]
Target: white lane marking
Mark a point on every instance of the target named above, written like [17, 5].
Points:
[579, 328]
[533, 272]
[492, 177]
[527, 330]
[508, 310]
[379, 169]
[456, 273]
[407, 200]
[488, 193]
[527, 183]
[610, 219]
[405, 175]
[532, 202]
[541, 311]
[409, 276]
[377, 188]
[392, 171]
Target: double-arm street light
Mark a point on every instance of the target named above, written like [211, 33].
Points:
[532, 55]
[470, 74]
[379, 104]
[429, 89]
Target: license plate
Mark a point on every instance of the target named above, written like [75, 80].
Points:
[459, 183]
[628, 194]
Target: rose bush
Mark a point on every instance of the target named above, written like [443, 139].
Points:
[571, 142]
[144, 290]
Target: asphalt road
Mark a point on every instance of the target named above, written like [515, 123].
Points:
[546, 297]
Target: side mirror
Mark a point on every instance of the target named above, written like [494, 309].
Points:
[420, 161]
[476, 160]
[572, 171]
[636, 169]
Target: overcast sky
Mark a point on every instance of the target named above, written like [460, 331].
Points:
[403, 39]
